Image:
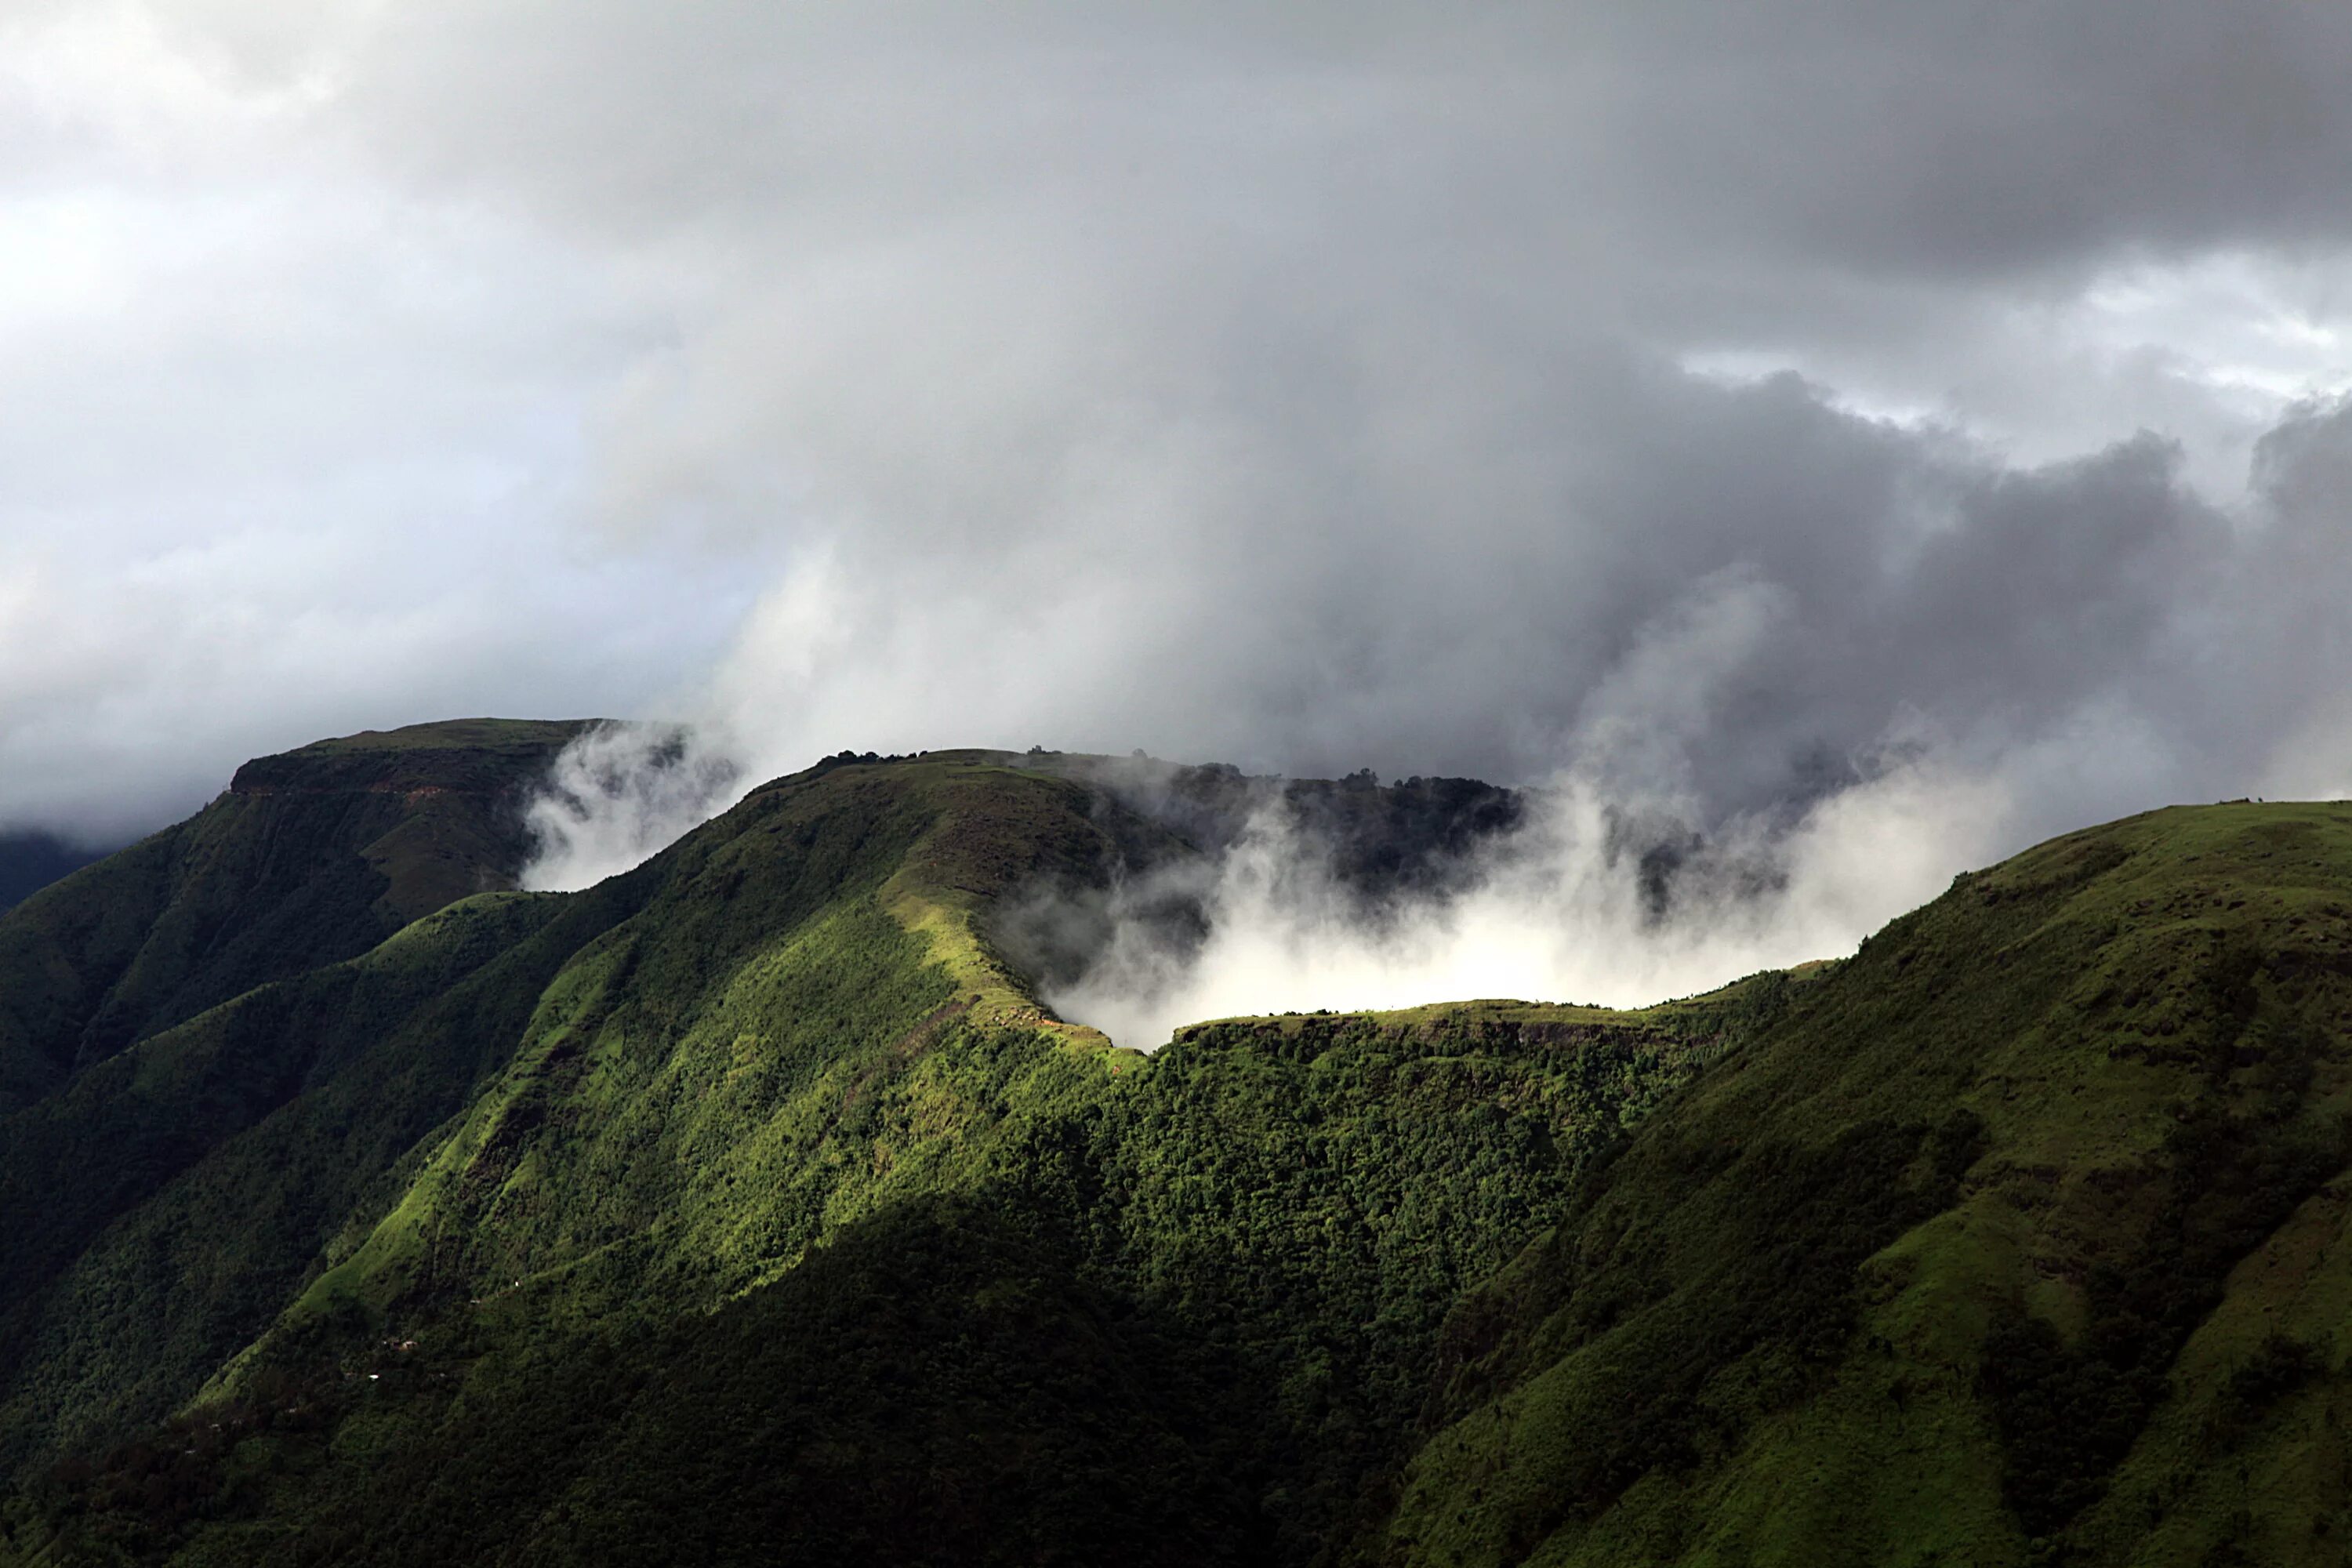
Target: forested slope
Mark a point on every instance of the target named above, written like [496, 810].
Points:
[2020, 1238]
[567, 1148]
[308, 858]
[749, 1207]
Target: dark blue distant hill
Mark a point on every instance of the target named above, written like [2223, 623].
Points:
[31, 861]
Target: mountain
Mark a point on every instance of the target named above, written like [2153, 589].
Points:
[649, 1111]
[310, 858]
[750, 1207]
[2019, 1240]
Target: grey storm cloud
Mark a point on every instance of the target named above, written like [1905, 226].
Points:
[1732, 403]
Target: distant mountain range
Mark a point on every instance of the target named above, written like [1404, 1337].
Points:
[752, 1206]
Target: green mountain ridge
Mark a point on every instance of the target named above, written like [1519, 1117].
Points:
[749, 1206]
[308, 859]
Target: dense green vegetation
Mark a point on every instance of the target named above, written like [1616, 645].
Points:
[1982, 1253]
[309, 857]
[131, 1187]
[749, 1207]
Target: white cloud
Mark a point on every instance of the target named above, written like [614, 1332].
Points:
[1558, 912]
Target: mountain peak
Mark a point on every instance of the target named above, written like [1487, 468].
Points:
[312, 856]
[475, 756]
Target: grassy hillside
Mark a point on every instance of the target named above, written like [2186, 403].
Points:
[1180, 1312]
[778, 1064]
[2016, 1240]
[161, 1209]
[750, 1207]
[310, 858]
[166, 1204]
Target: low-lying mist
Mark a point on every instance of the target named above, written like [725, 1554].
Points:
[1347, 896]
[621, 794]
[1587, 900]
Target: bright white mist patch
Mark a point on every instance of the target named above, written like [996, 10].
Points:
[619, 795]
[1555, 916]
[1556, 912]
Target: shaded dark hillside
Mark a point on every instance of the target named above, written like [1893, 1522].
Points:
[310, 858]
[160, 1209]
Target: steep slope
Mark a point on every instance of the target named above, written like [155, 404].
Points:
[788, 1196]
[310, 858]
[1175, 1315]
[161, 1207]
[130, 1198]
[2020, 1238]
[750, 1206]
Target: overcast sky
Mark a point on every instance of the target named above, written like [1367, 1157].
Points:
[1733, 402]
